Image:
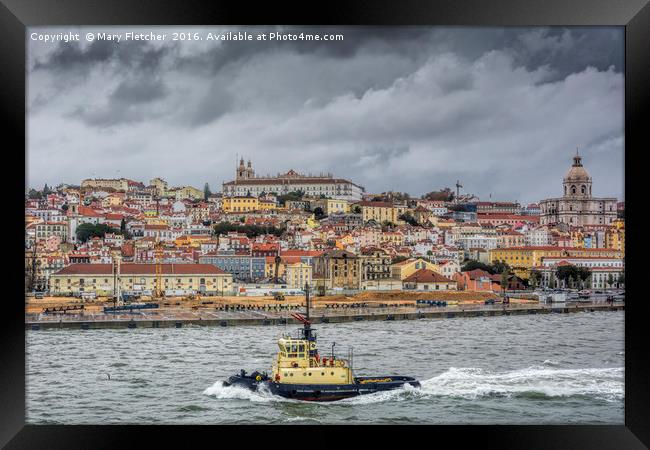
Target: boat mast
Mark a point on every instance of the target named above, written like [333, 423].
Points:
[307, 323]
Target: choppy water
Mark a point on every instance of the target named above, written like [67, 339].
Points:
[544, 369]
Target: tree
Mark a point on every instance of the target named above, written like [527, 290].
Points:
[46, 190]
[319, 213]
[499, 267]
[473, 265]
[123, 225]
[408, 218]
[445, 194]
[357, 209]
[86, 231]
[534, 278]
[291, 196]
[571, 273]
[610, 280]
[551, 281]
[621, 280]
[505, 276]
[64, 207]
[206, 192]
[34, 194]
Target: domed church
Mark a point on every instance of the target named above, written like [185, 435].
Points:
[577, 207]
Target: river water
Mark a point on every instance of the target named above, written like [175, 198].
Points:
[537, 369]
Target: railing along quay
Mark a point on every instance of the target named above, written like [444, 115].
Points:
[178, 317]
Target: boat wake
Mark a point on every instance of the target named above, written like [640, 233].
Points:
[535, 383]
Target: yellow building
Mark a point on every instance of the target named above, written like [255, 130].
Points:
[404, 269]
[188, 192]
[121, 184]
[160, 185]
[267, 205]
[297, 274]
[332, 206]
[191, 240]
[615, 236]
[112, 200]
[337, 269]
[381, 212]
[98, 278]
[240, 204]
[522, 259]
[391, 237]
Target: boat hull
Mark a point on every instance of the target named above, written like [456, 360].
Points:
[324, 392]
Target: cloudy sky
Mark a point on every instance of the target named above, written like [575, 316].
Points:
[408, 109]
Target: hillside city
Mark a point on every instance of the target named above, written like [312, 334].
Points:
[268, 234]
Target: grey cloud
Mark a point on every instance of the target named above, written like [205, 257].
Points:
[409, 109]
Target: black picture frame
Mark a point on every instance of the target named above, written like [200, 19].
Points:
[16, 15]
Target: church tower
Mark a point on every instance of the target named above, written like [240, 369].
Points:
[241, 170]
[250, 173]
[577, 181]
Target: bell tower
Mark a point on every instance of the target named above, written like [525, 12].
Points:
[241, 170]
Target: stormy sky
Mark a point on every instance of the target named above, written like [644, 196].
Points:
[407, 109]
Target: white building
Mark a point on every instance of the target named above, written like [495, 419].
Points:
[246, 182]
[577, 207]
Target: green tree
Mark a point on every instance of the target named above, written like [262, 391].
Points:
[206, 192]
[445, 194]
[34, 194]
[408, 218]
[505, 276]
[473, 264]
[86, 231]
[534, 278]
[621, 279]
[123, 225]
[46, 190]
[357, 209]
[319, 213]
[499, 267]
[610, 280]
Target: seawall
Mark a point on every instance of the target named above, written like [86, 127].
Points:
[317, 317]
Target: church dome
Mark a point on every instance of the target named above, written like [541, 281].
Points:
[577, 181]
[577, 173]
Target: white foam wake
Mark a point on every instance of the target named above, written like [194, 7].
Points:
[475, 383]
[605, 383]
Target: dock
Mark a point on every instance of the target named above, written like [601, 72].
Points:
[179, 318]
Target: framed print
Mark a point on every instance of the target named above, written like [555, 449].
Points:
[398, 216]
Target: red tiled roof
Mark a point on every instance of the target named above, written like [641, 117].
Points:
[140, 269]
[426, 276]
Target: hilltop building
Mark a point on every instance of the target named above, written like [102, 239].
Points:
[577, 207]
[247, 183]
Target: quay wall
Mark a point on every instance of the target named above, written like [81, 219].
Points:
[316, 318]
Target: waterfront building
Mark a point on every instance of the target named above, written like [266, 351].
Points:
[375, 263]
[337, 269]
[76, 279]
[428, 280]
[476, 280]
[403, 269]
[522, 259]
[241, 267]
[577, 207]
[603, 270]
[312, 185]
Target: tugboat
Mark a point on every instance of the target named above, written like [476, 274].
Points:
[300, 372]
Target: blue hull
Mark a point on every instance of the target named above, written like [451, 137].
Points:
[323, 392]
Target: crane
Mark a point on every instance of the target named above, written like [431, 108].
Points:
[158, 254]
